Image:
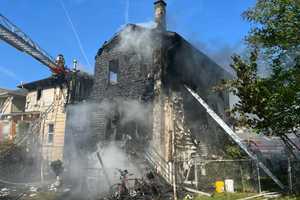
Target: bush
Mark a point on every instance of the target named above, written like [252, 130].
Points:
[57, 167]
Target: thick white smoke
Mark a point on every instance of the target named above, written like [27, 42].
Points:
[112, 152]
[138, 40]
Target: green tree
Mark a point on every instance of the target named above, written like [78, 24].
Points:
[270, 104]
[14, 160]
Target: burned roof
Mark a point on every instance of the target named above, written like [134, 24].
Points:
[186, 62]
[54, 81]
[136, 28]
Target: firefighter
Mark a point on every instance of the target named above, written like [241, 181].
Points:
[60, 65]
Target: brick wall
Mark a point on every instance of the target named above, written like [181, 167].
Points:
[131, 76]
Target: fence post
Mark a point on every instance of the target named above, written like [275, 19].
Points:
[290, 174]
[258, 176]
[196, 175]
[242, 178]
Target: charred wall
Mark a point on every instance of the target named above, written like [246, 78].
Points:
[187, 65]
[131, 76]
[132, 81]
[183, 64]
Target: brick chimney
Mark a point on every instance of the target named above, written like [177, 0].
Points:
[160, 14]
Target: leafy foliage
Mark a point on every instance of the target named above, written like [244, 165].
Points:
[270, 104]
[11, 154]
[234, 152]
[277, 24]
[15, 161]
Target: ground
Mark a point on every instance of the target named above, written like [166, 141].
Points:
[236, 196]
[42, 195]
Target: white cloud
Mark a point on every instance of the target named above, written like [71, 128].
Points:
[8, 73]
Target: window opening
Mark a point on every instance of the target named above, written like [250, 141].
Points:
[38, 94]
[113, 72]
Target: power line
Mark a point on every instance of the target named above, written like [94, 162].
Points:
[75, 32]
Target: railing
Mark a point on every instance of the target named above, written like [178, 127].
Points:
[159, 164]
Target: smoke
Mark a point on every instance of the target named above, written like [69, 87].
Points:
[138, 40]
[220, 52]
[80, 129]
[133, 111]
[84, 68]
[149, 24]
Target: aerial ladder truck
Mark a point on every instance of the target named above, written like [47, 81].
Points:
[14, 36]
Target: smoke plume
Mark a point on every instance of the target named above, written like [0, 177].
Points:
[113, 153]
[137, 40]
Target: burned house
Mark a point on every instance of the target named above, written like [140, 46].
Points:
[149, 64]
[139, 92]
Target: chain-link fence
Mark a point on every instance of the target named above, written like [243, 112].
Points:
[295, 176]
[203, 175]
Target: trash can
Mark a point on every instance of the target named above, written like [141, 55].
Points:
[229, 185]
[219, 186]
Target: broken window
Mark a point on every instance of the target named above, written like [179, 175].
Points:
[50, 133]
[38, 94]
[113, 72]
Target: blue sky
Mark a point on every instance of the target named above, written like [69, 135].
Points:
[214, 26]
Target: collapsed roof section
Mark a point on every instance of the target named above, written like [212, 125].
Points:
[78, 84]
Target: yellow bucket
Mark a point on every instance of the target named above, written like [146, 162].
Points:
[219, 186]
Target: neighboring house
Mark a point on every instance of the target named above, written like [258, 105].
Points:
[12, 105]
[49, 97]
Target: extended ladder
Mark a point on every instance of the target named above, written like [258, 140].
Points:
[11, 34]
[235, 137]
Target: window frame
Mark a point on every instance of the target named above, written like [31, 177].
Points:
[50, 133]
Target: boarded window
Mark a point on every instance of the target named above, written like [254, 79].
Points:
[50, 133]
[113, 72]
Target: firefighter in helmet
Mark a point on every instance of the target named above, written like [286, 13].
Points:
[60, 65]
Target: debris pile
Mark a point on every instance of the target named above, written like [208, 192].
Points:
[4, 192]
[148, 187]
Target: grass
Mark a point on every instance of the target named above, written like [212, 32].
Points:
[235, 196]
[225, 196]
[43, 196]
